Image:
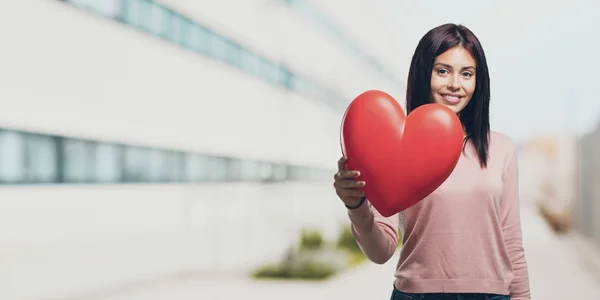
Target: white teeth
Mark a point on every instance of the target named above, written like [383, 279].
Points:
[450, 97]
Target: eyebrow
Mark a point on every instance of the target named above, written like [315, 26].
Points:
[450, 67]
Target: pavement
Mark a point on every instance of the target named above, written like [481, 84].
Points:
[559, 269]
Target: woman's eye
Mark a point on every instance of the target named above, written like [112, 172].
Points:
[467, 74]
[442, 71]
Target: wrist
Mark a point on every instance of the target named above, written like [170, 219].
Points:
[362, 200]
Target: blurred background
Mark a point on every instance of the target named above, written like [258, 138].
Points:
[185, 149]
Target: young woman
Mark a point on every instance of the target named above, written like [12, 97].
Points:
[464, 240]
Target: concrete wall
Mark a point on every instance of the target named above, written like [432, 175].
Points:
[588, 205]
[75, 74]
[58, 241]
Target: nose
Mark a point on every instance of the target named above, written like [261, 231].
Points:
[454, 82]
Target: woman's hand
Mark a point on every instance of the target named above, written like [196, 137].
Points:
[347, 187]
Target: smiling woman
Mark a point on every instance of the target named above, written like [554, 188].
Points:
[464, 239]
[453, 78]
[458, 69]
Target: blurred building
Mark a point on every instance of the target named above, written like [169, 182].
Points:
[588, 204]
[548, 178]
[144, 138]
[548, 172]
[561, 175]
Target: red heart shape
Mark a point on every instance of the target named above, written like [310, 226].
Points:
[401, 158]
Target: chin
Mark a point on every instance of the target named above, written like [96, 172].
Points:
[456, 108]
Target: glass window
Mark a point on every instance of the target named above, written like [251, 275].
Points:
[234, 169]
[294, 173]
[303, 173]
[77, 157]
[192, 37]
[179, 28]
[327, 97]
[314, 174]
[12, 160]
[268, 70]
[291, 173]
[322, 95]
[158, 165]
[284, 76]
[250, 170]
[325, 174]
[218, 47]
[279, 172]
[107, 8]
[234, 54]
[107, 163]
[137, 164]
[41, 158]
[176, 169]
[159, 17]
[197, 168]
[77, 3]
[203, 37]
[145, 18]
[35, 158]
[309, 89]
[301, 86]
[248, 61]
[164, 166]
[139, 13]
[266, 171]
[298, 173]
[218, 168]
[189, 34]
[133, 12]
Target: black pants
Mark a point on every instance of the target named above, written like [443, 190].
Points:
[398, 295]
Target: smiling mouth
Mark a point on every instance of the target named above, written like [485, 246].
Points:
[452, 99]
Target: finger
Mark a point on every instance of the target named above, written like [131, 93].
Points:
[349, 184]
[342, 163]
[344, 193]
[347, 174]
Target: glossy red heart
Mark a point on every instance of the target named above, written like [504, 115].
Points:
[401, 158]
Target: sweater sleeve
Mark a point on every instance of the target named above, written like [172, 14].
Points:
[376, 235]
[511, 230]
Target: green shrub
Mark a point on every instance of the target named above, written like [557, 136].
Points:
[309, 261]
[346, 241]
[270, 271]
[306, 271]
[311, 239]
[399, 239]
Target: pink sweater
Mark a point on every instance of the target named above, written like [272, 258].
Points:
[465, 237]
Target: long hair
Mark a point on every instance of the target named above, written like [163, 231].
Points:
[475, 116]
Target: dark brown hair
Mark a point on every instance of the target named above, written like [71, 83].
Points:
[475, 117]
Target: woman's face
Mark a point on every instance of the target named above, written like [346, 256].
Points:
[453, 78]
